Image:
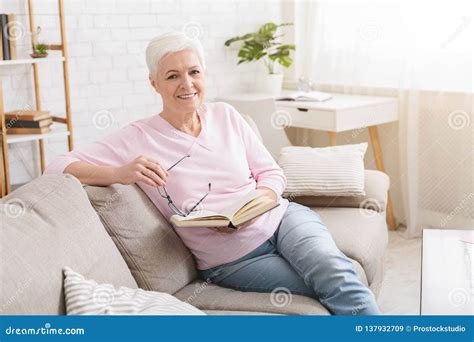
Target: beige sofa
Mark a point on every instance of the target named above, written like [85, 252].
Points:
[116, 235]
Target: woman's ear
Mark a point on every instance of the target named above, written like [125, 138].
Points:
[153, 83]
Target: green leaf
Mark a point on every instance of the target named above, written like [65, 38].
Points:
[286, 47]
[285, 61]
[264, 42]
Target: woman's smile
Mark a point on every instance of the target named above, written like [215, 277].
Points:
[187, 97]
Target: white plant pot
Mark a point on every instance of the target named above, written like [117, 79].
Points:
[271, 83]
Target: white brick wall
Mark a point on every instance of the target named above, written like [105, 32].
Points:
[106, 40]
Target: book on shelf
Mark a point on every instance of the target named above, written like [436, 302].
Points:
[5, 44]
[11, 31]
[8, 36]
[13, 123]
[1, 39]
[250, 206]
[27, 115]
[40, 130]
[305, 96]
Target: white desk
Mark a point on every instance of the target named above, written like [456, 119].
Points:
[341, 113]
[447, 280]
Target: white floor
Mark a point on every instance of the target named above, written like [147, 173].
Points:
[400, 292]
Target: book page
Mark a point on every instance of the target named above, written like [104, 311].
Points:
[195, 215]
[254, 211]
[232, 209]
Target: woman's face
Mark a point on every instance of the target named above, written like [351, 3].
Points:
[180, 81]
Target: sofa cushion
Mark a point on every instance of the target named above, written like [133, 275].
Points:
[207, 296]
[323, 171]
[376, 185]
[87, 297]
[47, 224]
[156, 256]
[360, 234]
[210, 297]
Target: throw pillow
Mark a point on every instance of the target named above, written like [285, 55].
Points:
[86, 297]
[326, 171]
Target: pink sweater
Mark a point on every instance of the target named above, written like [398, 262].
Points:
[227, 153]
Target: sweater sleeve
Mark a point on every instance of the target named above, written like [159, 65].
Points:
[113, 150]
[263, 167]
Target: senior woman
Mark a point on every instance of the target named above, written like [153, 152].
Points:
[197, 154]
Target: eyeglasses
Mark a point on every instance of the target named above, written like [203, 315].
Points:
[171, 204]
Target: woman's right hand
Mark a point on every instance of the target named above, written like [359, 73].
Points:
[144, 170]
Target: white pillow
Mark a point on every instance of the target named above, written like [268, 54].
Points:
[86, 297]
[327, 171]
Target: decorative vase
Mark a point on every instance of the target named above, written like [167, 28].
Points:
[271, 83]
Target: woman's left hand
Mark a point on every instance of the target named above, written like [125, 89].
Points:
[268, 192]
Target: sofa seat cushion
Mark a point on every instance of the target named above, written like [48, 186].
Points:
[47, 224]
[155, 254]
[206, 296]
[360, 234]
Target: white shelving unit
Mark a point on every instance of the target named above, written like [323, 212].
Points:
[57, 130]
[62, 125]
[32, 61]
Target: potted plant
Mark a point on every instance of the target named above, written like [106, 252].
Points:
[39, 49]
[264, 44]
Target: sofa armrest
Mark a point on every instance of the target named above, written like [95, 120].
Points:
[376, 188]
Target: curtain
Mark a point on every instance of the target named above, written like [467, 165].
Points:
[421, 53]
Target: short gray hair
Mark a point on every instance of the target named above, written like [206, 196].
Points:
[168, 43]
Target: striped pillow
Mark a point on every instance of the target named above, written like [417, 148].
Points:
[86, 297]
[326, 171]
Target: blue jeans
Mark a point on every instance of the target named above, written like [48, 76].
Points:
[302, 258]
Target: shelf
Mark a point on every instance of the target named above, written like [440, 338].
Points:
[57, 130]
[32, 60]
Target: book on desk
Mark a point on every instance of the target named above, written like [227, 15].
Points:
[305, 96]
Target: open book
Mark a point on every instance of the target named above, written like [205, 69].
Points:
[245, 209]
[305, 96]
